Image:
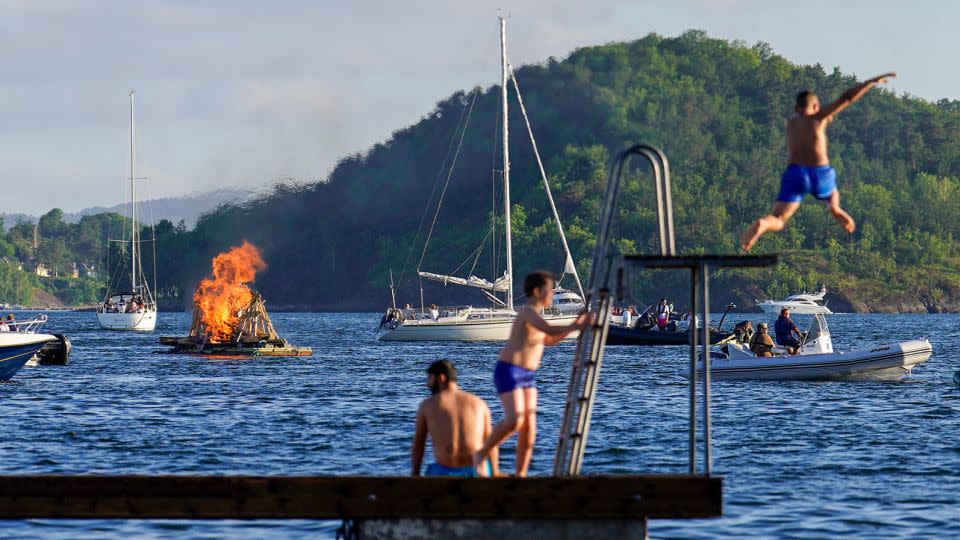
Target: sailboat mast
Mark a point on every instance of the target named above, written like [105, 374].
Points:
[133, 206]
[506, 159]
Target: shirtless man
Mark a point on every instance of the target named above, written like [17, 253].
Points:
[457, 422]
[515, 373]
[809, 169]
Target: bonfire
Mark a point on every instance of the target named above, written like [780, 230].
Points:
[228, 316]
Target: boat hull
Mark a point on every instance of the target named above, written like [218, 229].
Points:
[619, 335]
[431, 330]
[17, 349]
[887, 362]
[144, 321]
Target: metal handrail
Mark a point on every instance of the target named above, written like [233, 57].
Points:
[586, 369]
[29, 326]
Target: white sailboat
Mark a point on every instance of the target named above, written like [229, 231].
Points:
[470, 323]
[135, 309]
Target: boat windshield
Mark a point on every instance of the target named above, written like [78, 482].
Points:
[818, 328]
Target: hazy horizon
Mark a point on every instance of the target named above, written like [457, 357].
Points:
[242, 94]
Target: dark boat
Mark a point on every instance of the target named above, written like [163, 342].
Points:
[619, 335]
[640, 334]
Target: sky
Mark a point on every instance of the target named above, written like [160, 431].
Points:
[237, 93]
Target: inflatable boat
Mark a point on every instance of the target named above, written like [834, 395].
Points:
[817, 360]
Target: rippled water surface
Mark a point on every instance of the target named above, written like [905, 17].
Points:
[801, 459]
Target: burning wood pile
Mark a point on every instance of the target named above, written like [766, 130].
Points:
[229, 318]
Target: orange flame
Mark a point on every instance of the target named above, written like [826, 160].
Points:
[222, 299]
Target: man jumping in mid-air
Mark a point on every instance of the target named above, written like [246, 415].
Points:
[809, 169]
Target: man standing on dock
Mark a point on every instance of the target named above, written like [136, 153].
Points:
[458, 423]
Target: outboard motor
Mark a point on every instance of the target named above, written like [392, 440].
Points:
[55, 353]
[392, 319]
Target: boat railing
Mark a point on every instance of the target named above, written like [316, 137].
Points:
[442, 312]
[29, 326]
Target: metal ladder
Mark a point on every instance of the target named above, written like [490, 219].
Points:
[588, 356]
[611, 277]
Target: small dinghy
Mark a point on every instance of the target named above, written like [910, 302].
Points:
[645, 331]
[817, 360]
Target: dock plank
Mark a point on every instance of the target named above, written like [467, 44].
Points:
[272, 497]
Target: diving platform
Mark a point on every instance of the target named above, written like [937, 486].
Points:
[360, 497]
[380, 507]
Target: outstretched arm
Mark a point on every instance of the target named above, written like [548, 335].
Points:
[852, 95]
[419, 443]
[535, 320]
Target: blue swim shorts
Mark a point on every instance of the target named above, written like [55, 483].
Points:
[436, 469]
[509, 377]
[798, 180]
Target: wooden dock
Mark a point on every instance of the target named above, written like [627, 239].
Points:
[360, 497]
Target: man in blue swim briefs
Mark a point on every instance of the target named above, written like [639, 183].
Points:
[515, 372]
[808, 169]
[458, 423]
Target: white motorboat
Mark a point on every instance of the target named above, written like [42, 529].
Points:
[800, 304]
[817, 360]
[135, 309]
[20, 343]
[567, 302]
[471, 323]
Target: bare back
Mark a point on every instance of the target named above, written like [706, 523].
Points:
[807, 140]
[458, 423]
[526, 343]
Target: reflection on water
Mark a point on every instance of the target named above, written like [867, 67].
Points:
[809, 460]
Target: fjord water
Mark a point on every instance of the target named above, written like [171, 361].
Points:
[801, 459]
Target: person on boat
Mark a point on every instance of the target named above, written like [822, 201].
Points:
[786, 329]
[743, 331]
[434, 312]
[408, 312]
[515, 373]
[457, 422]
[808, 169]
[761, 344]
[663, 314]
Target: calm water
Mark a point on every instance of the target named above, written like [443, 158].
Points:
[804, 460]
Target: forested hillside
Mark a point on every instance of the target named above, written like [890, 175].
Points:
[717, 108]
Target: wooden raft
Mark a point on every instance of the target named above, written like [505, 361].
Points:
[253, 336]
[360, 497]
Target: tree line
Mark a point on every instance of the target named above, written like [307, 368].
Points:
[716, 107]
